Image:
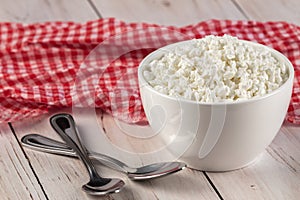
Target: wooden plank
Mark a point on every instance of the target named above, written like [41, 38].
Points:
[275, 175]
[17, 180]
[66, 175]
[44, 10]
[270, 10]
[168, 12]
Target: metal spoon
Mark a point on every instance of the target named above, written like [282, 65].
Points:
[64, 125]
[45, 144]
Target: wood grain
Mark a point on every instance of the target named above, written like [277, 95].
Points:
[17, 180]
[45, 10]
[168, 12]
[269, 10]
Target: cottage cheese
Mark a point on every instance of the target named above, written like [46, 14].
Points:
[216, 69]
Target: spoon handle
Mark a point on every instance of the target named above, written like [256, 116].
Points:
[48, 145]
[63, 123]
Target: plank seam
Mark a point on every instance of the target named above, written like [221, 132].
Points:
[237, 5]
[17, 171]
[29, 163]
[94, 8]
[213, 186]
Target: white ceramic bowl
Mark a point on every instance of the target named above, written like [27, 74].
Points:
[224, 136]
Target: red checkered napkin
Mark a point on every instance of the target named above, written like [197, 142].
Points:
[64, 64]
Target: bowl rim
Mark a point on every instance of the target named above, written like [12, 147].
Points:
[159, 52]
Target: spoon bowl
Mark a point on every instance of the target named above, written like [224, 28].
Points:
[94, 187]
[48, 145]
[156, 170]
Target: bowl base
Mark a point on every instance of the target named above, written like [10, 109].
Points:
[252, 162]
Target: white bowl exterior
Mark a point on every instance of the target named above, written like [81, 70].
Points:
[234, 133]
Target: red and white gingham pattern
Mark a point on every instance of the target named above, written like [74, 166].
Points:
[40, 63]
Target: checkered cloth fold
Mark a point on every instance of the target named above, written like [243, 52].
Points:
[63, 64]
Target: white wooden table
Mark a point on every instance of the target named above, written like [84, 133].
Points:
[26, 174]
